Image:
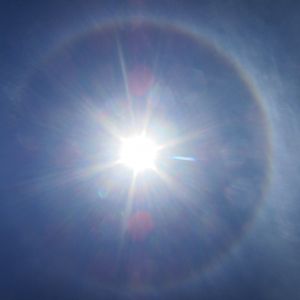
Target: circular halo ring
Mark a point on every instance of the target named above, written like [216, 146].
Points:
[200, 39]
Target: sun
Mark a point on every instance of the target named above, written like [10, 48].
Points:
[138, 153]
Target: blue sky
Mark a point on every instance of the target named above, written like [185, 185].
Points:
[215, 84]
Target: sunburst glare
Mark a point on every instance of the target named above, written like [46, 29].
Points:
[138, 153]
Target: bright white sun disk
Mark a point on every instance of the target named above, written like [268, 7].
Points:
[138, 153]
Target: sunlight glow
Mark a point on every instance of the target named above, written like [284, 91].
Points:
[138, 153]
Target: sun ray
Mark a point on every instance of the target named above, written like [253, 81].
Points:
[129, 201]
[148, 113]
[58, 178]
[99, 116]
[124, 75]
[183, 139]
[126, 213]
[195, 134]
[173, 185]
